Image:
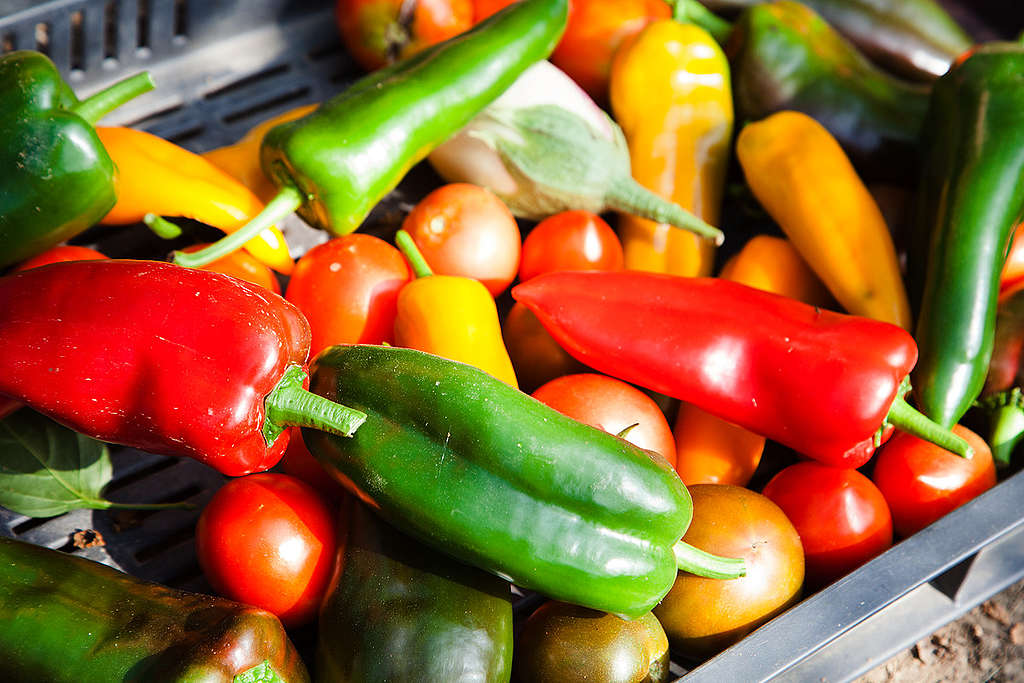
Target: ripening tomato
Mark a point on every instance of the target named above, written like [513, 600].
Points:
[58, 254]
[842, 518]
[243, 265]
[536, 356]
[268, 540]
[348, 288]
[612, 405]
[466, 230]
[922, 481]
[571, 240]
[594, 32]
[380, 32]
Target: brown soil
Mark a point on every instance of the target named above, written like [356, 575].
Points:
[986, 644]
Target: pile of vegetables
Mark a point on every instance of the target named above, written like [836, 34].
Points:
[536, 380]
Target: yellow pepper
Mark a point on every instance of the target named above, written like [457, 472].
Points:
[802, 177]
[242, 159]
[450, 316]
[156, 176]
[710, 450]
[670, 92]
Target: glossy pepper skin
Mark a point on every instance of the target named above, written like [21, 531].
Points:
[169, 360]
[400, 612]
[970, 198]
[489, 475]
[785, 56]
[670, 92]
[71, 620]
[802, 177]
[58, 179]
[816, 381]
[914, 38]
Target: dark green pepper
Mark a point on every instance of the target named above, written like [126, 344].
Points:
[914, 38]
[58, 179]
[970, 197]
[785, 56]
[397, 611]
[335, 164]
[495, 478]
[68, 619]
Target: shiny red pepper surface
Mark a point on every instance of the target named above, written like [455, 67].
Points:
[166, 359]
[817, 381]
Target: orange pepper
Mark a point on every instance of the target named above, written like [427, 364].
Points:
[158, 177]
[804, 179]
[710, 450]
[242, 265]
[450, 316]
[1012, 278]
[670, 93]
[242, 159]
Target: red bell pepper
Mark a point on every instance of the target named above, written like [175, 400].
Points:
[166, 359]
[825, 384]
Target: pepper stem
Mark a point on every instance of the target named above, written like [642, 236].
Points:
[289, 404]
[161, 227]
[696, 561]
[1006, 419]
[287, 200]
[110, 505]
[261, 673]
[407, 246]
[95, 107]
[631, 197]
[909, 420]
[691, 11]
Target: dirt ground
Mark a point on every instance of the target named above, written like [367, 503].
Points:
[986, 644]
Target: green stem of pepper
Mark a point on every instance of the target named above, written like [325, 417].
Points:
[691, 11]
[1006, 418]
[696, 561]
[906, 418]
[413, 255]
[290, 404]
[161, 227]
[94, 108]
[284, 202]
[631, 197]
[261, 673]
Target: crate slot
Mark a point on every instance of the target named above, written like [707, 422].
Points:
[31, 524]
[180, 18]
[42, 34]
[140, 475]
[142, 24]
[77, 46]
[9, 43]
[110, 30]
[327, 51]
[242, 83]
[165, 544]
[266, 105]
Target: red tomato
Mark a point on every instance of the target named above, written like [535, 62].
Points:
[268, 540]
[612, 405]
[465, 230]
[571, 240]
[842, 518]
[348, 289]
[244, 266]
[536, 356]
[922, 481]
[64, 252]
[595, 30]
[380, 32]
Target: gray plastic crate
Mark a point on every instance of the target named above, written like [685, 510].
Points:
[220, 68]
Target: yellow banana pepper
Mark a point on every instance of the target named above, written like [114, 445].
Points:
[802, 177]
[450, 316]
[670, 92]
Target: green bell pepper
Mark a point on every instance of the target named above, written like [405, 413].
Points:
[970, 198]
[397, 611]
[336, 163]
[785, 56]
[58, 179]
[497, 479]
[68, 619]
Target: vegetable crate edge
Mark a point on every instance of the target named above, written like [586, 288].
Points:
[221, 67]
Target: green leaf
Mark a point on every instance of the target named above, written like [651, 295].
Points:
[47, 470]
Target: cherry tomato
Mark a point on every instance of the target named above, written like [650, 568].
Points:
[612, 405]
[571, 240]
[710, 450]
[465, 230]
[268, 540]
[842, 518]
[922, 481]
[536, 356]
[348, 289]
[63, 252]
[703, 616]
[380, 32]
[594, 32]
[244, 266]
